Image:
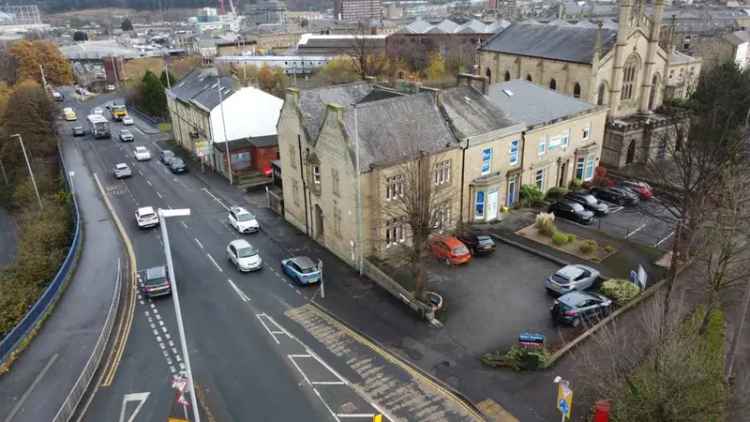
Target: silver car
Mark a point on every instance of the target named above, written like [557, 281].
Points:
[571, 277]
[122, 170]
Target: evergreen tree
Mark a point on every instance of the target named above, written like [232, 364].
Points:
[154, 100]
[126, 25]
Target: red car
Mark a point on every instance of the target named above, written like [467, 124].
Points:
[643, 189]
[450, 250]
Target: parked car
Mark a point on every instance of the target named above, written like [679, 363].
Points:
[571, 211]
[589, 202]
[126, 136]
[165, 156]
[615, 195]
[575, 307]
[176, 165]
[79, 131]
[127, 121]
[243, 255]
[58, 96]
[301, 269]
[146, 217]
[243, 220]
[156, 282]
[643, 189]
[142, 153]
[571, 277]
[122, 170]
[478, 244]
[110, 87]
[450, 250]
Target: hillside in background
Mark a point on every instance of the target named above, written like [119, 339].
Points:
[52, 6]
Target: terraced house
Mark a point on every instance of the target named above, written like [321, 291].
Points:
[353, 156]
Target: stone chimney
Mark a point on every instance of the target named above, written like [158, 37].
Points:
[477, 82]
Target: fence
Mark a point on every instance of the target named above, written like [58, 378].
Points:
[45, 303]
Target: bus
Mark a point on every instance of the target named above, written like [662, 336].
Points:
[98, 126]
[118, 111]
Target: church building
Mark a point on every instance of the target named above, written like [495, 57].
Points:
[628, 67]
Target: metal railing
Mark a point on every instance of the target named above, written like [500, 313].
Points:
[41, 307]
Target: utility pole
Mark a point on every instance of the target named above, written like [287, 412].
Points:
[359, 194]
[28, 165]
[224, 126]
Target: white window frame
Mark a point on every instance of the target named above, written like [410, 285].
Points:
[580, 167]
[514, 152]
[394, 187]
[316, 174]
[539, 181]
[394, 232]
[541, 148]
[477, 202]
[565, 139]
[586, 133]
[486, 159]
[589, 169]
[442, 173]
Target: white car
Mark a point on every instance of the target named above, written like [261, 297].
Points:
[122, 170]
[243, 255]
[127, 120]
[142, 153]
[243, 220]
[97, 110]
[146, 217]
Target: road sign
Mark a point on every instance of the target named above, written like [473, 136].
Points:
[202, 148]
[564, 399]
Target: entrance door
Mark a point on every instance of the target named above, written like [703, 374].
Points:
[491, 206]
[318, 222]
[563, 173]
[511, 199]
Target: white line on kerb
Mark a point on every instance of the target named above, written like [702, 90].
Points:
[199, 243]
[239, 292]
[214, 261]
[25, 395]
[215, 198]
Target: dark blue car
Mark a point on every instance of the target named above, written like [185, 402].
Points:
[302, 269]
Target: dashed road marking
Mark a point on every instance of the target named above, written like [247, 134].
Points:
[215, 198]
[657, 244]
[149, 182]
[199, 243]
[159, 195]
[637, 229]
[239, 292]
[214, 262]
[184, 224]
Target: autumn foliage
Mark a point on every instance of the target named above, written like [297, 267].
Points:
[29, 55]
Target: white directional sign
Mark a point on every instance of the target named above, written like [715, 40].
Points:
[140, 398]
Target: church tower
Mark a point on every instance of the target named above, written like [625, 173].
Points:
[650, 80]
[623, 31]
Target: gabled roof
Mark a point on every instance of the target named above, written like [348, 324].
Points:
[250, 114]
[200, 87]
[313, 102]
[471, 114]
[532, 104]
[447, 26]
[415, 124]
[565, 43]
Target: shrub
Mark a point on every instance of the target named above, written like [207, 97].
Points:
[532, 196]
[588, 247]
[619, 290]
[609, 248]
[575, 184]
[559, 238]
[571, 238]
[545, 223]
[522, 359]
[555, 193]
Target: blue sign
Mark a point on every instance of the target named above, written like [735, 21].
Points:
[562, 405]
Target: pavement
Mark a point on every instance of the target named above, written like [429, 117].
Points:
[39, 381]
[8, 237]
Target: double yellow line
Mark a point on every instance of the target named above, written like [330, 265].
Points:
[125, 324]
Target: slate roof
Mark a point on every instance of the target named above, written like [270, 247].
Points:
[200, 88]
[533, 104]
[565, 43]
[471, 114]
[681, 58]
[415, 124]
[447, 26]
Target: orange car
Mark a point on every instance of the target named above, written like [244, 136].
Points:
[450, 250]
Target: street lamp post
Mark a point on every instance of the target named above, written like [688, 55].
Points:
[163, 215]
[31, 172]
[224, 127]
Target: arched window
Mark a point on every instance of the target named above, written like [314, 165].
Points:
[629, 77]
[553, 84]
[528, 77]
[631, 153]
[577, 90]
[488, 73]
[601, 96]
[507, 76]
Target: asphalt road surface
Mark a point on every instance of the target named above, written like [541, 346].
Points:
[249, 360]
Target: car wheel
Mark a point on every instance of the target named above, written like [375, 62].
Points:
[576, 322]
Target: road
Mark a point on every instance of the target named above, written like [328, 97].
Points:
[249, 360]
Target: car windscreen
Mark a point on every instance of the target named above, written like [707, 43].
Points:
[177, 162]
[560, 279]
[148, 215]
[485, 240]
[246, 252]
[308, 270]
[122, 166]
[460, 250]
[589, 199]
[246, 216]
[155, 281]
[576, 207]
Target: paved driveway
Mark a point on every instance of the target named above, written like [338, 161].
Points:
[494, 298]
[648, 223]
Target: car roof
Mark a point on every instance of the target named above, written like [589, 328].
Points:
[570, 271]
[146, 210]
[140, 147]
[167, 151]
[450, 241]
[240, 243]
[154, 272]
[239, 210]
[124, 131]
[303, 261]
[121, 165]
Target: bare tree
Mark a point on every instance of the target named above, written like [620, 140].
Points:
[367, 57]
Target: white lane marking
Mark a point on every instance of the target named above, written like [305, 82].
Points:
[326, 405]
[616, 209]
[355, 415]
[328, 383]
[159, 195]
[199, 243]
[137, 397]
[214, 262]
[26, 394]
[149, 182]
[263, 323]
[215, 198]
[140, 172]
[637, 229]
[664, 239]
[296, 365]
[184, 224]
[239, 292]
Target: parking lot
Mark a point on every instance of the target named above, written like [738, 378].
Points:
[492, 299]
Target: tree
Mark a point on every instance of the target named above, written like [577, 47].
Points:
[126, 25]
[364, 53]
[435, 71]
[80, 36]
[30, 55]
[153, 98]
[273, 80]
[338, 71]
[163, 79]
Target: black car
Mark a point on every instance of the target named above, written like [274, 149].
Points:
[156, 282]
[589, 202]
[176, 165]
[479, 244]
[616, 195]
[576, 307]
[166, 156]
[572, 211]
[78, 131]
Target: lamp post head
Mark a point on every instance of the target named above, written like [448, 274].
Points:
[557, 379]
